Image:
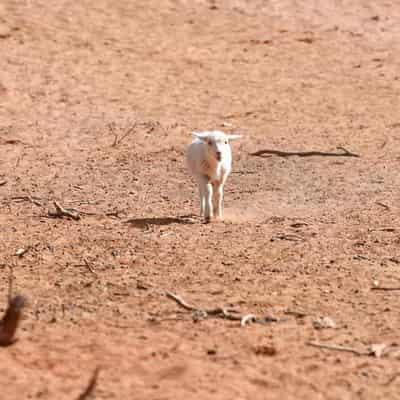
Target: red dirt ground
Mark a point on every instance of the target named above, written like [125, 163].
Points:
[307, 234]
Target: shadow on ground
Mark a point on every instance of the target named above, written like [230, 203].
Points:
[161, 221]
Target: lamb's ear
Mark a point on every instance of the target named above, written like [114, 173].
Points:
[199, 135]
[233, 137]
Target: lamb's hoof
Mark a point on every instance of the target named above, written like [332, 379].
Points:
[207, 220]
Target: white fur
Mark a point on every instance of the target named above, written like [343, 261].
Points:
[210, 170]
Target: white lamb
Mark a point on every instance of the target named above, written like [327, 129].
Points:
[209, 159]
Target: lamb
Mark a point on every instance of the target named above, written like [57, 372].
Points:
[209, 159]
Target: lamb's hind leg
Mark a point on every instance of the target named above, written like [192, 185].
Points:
[202, 198]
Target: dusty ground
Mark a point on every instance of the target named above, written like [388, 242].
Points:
[305, 234]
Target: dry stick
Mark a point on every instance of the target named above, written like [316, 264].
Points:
[347, 152]
[62, 212]
[392, 379]
[385, 288]
[32, 199]
[75, 210]
[111, 127]
[344, 153]
[215, 312]
[117, 140]
[338, 348]
[296, 313]
[186, 306]
[180, 301]
[91, 385]
[385, 206]
[89, 267]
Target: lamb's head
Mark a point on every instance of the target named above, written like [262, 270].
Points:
[217, 143]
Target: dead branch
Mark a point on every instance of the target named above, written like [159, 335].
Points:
[287, 236]
[385, 288]
[339, 348]
[91, 385]
[385, 206]
[347, 153]
[219, 312]
[243, 114]
[31, 199]
[9, 323]
[89, 267]
[296, 313]
[343, 153]
[180, 301]
[76, 211]
[118, 140]
[64, 212]
[385, 229]
[392, 379]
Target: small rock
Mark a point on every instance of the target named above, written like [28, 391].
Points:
[21, 252]
[377, 349]
[265, 350]
[5, 31]
[324, 323]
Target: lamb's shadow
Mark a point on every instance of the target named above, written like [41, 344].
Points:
[161, 221]
[341, 153]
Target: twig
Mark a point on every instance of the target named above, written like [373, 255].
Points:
[347, 152]
[386, 229]
[343, 153]
[89, 267]
[75, 210]
[296, 313]
[243, 114]
[385, 206]
[385, 288]
[32, 199]
[63, 212]
[9, 323]
[118, 140]
[392, 378]
[180, 301]
[338, 348]
[91, 385]
[287, 236]
[224, 313]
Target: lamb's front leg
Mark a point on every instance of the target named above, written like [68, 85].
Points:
[208, 212]
[218, 199]
[205, 190]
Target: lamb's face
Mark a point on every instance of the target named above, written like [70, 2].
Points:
[216, 144]
[217, 148]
